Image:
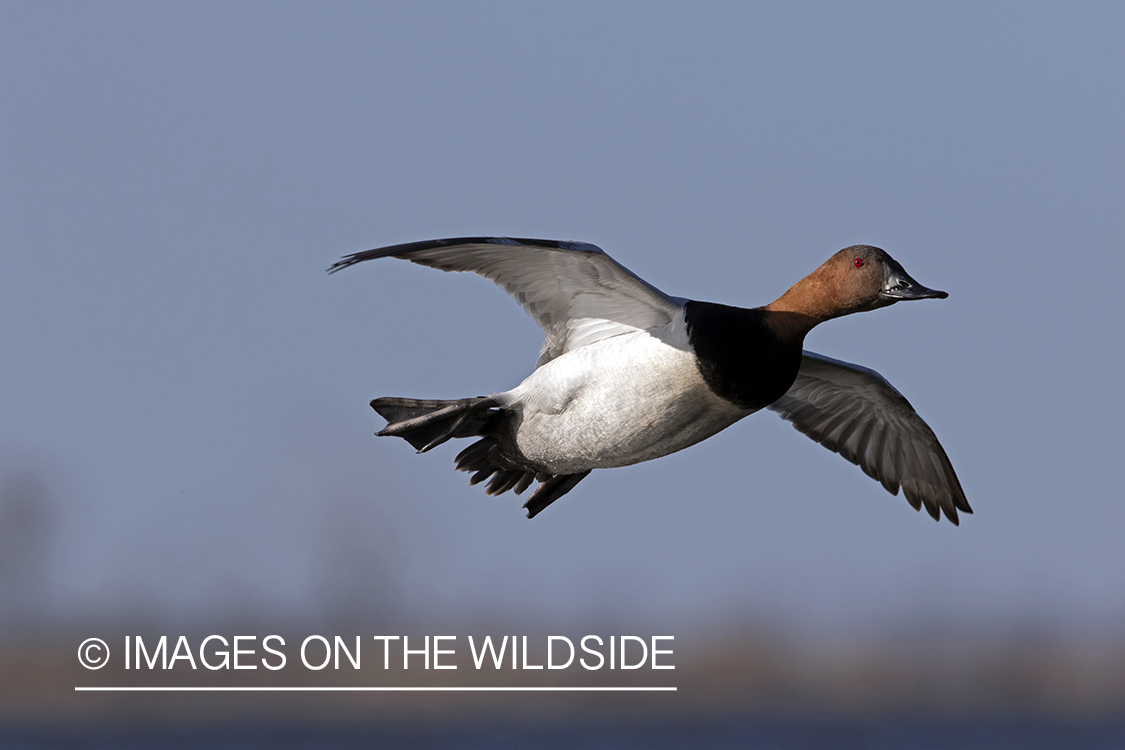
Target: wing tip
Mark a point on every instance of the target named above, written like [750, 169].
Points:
[340, 265]
[351, 260]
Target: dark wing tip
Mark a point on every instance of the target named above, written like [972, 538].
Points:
[341, 264]
[351, 260]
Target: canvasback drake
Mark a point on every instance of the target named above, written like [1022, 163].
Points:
[629, 374]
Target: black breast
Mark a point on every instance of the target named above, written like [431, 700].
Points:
[739, 356]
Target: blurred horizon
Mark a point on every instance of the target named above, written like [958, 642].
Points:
[362, 575]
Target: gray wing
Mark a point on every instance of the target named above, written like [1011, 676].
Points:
[855, 412]
[573, 290]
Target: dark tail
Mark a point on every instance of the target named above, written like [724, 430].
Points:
[426, 424]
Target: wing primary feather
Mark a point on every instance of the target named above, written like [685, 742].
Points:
[399, 251]
[855, 412]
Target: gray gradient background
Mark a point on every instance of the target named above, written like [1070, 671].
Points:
[185, 439]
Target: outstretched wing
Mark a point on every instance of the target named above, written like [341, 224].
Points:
[855, 412]
[574, 291]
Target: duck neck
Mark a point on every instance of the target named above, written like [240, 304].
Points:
[805, 306]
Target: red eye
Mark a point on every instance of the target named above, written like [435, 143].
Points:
[858, 262]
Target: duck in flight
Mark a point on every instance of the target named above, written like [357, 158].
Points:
[629, 374]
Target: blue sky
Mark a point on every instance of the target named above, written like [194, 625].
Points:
[192, 388]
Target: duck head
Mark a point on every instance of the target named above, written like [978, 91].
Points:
[856, 279]
[880, 280]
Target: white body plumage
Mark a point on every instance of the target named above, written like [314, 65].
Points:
[618, 401]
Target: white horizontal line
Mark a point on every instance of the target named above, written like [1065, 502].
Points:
[369, 689]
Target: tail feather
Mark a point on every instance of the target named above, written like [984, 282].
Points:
[426, 424]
